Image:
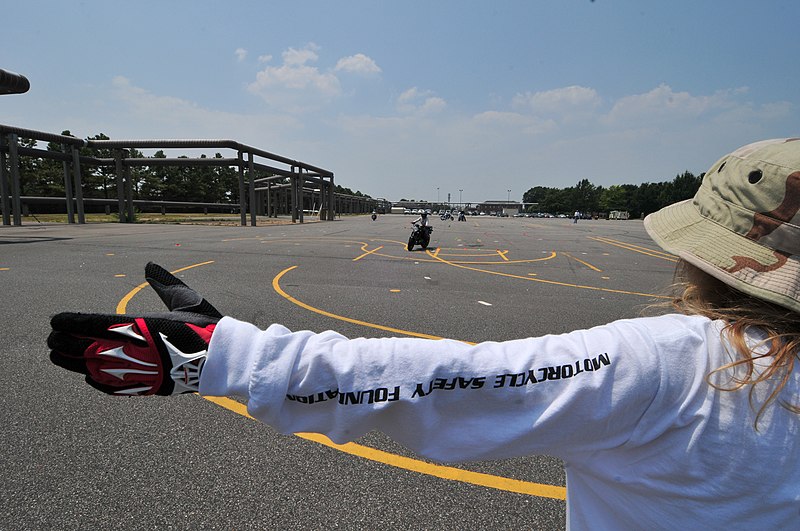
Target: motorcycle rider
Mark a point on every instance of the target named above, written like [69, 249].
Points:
[422, 220]
[422, 235]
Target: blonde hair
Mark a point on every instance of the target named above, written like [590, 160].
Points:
[698, 293]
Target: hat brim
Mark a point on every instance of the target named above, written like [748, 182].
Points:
[729, 256]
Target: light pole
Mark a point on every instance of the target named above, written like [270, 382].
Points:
[461, 205]
[509, 196]
[437, 197]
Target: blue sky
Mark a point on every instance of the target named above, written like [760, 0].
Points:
[418, 99]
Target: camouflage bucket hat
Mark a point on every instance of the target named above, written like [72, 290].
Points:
[743, 225]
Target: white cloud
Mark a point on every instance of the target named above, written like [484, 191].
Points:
[264, 58]
[358, 63]
[155, 116]
[295, 85]
[513, 121]
[663, 102]
[302, 56]
[561, 100]
[241, 54]
[414, 101]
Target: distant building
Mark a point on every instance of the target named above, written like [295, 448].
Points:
[501, 207]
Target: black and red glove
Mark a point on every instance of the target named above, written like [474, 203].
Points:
[150, 354]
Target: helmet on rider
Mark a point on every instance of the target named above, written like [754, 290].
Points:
[424, 214]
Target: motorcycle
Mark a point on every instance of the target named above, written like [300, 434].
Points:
[374, 216]
[419, 236]
[462, 217]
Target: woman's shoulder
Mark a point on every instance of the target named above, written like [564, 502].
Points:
[670, 323]
[669, 332]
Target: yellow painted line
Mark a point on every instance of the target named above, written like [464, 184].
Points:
[415, 465]
[394, 290]
[656, 251]
[477, 262]
[461, 248]
[503, 254]
[553, 282]
[436, 252]
[463, 254]
[120, 276]
[368, 253]
[637, 249]
[5, 269]
[587, 264]
[277, 287]
[124, 302]
[444, 472]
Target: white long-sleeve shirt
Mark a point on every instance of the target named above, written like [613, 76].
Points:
[647, 443]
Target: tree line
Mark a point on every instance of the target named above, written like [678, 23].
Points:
[44, 177]
[638, 200]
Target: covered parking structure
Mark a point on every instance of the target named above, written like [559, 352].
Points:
[269, 184]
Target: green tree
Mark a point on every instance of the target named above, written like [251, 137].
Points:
[585, 196]
[535, 195]
[28, 168]
[98, 181]
[615, 197]
[684, 186]
[226, 183]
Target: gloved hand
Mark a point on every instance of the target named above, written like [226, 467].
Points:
[159, 353]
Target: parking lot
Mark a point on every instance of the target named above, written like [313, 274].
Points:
[75, 459]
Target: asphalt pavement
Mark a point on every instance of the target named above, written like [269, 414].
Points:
[73, 458]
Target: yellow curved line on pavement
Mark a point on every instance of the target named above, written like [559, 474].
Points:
[481, 262]
[123, 303]
[277, 287]
[415, 465]
[544, 281]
